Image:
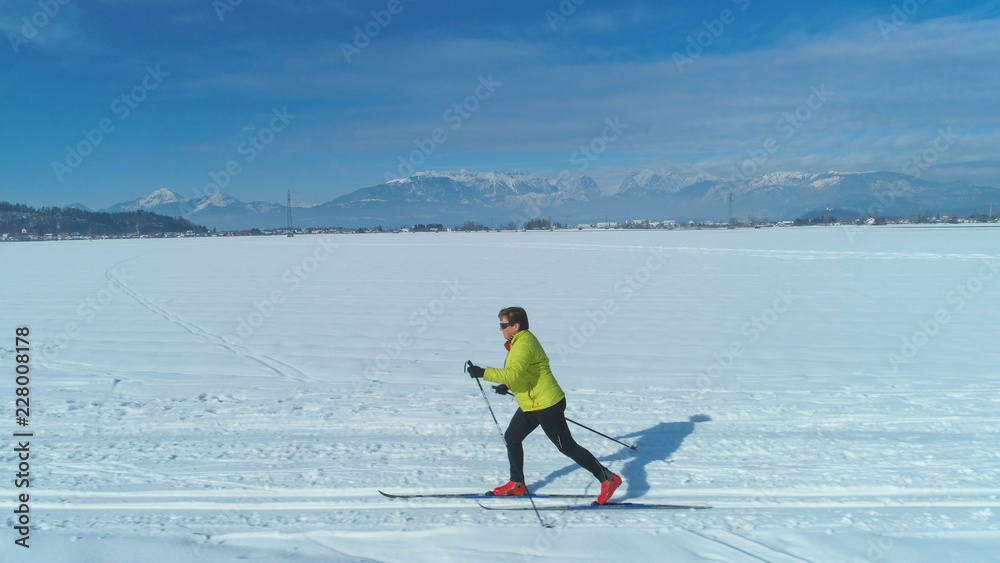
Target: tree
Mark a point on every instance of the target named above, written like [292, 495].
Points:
[537, 224]
[471, 226]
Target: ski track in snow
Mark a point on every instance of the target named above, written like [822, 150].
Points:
[277, 366]
[746, 546]
[320, 499]
[808, 448]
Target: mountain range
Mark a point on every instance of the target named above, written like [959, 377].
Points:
[452, 198]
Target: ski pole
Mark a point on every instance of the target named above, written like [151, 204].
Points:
[504, 440]
[569, 420]
[599, 434]
[531, 497]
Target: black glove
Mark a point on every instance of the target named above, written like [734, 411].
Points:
[474, 370]
[500, 389]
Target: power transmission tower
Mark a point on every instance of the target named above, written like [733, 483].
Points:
[291, 232]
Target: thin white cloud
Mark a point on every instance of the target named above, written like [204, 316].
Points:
[889, 98]
[25, 25]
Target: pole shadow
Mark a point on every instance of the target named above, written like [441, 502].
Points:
[656, 443]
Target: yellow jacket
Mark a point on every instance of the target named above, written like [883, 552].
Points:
[526, 373]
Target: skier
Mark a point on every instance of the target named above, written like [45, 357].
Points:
[542, 402]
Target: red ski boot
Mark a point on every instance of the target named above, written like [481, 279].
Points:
[608, 488]
[511, 489]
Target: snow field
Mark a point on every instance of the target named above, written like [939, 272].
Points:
[223, 399]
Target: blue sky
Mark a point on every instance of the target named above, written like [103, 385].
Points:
[266, 89]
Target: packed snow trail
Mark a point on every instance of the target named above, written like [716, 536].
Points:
[752, 369]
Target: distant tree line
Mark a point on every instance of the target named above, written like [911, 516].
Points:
[529, 225]
[54, 220]
[472, 226]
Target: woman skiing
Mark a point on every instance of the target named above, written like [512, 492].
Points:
[541, 402]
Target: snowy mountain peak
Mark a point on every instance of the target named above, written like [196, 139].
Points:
[644, 182]
[162, 196]
[782, 179]
[165, 194]
[493, 184]
[456, 175]
[461, 195]
[511, 179]
[651, 182]
[159, 197]
[219, 199]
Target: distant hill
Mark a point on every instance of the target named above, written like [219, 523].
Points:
[54, 220]
[454, 197]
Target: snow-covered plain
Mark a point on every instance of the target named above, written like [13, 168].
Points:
[230, 399]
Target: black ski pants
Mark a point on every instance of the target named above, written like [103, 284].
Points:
[553, 423]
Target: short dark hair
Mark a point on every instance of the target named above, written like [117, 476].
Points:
[514, 315]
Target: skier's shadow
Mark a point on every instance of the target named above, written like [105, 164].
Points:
[656, 443]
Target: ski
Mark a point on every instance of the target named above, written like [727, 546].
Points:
[477, 495]
[605, 506]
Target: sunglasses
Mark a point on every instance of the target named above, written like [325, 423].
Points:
[505, 325]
